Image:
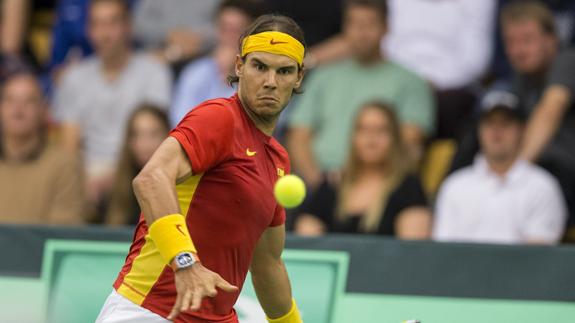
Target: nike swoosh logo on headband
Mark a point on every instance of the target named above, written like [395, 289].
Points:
[272, 42]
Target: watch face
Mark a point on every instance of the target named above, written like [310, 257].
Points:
[185, 259]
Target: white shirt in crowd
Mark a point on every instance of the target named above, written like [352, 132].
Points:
[476, 205]
[447, 42]
[101, 107]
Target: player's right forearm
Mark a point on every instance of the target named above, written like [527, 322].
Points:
[155, 189]
[156, 194]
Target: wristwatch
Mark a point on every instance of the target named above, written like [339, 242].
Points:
[184, 260]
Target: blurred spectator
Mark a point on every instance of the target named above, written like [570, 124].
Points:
[501, 198]
[13, 26]
[146, 129]
[40, 184]
[307, 14]
[97, 96]
[325, 42]
[449, 43]
[176, 30]
[322, 119]
[375, 194]
[205, 78]
[564, 15]
[545, 84]
[10, 65]
[69, 39]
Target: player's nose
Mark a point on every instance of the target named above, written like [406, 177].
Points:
[271, 79]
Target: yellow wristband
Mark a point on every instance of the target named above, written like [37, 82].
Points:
[171, 236]
[291, 317]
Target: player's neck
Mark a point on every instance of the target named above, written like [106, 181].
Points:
[20, 148]
[264, 124]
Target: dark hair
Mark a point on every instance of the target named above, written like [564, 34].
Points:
[122, 200]
[122, 3]
[250, 8]
[530, 10]
[379, 5]
[271, 22]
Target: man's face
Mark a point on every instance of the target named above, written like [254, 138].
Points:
[528, 47]
[267, 82]
[109, 28]
[21, 107]
[364, 28]
[230, 25]
[500, 136]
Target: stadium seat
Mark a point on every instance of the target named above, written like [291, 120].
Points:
[436, 163]
[79, 276]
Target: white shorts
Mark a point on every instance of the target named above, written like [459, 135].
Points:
[119, 309]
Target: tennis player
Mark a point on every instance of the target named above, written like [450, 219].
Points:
[209, 214]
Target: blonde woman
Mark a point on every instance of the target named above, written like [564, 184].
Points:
[375, 193]
[147, 128]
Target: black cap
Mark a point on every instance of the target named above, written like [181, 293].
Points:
[501, 101]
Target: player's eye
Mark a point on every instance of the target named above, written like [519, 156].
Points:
[260, 67]
[285, 71]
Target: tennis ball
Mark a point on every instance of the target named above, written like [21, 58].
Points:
[289, 191]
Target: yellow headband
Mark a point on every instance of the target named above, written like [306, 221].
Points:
[274, 42]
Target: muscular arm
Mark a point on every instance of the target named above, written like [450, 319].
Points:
[155, 189]
[545, 121]
[269, 275]
[155, 186]
[299, 143]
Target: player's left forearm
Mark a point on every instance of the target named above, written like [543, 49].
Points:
[273, 288]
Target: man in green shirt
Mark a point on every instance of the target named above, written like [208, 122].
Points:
[322, 119]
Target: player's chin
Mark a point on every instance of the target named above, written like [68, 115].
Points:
[269, 109]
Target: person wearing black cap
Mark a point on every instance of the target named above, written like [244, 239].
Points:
[501, 198]
[544, 83]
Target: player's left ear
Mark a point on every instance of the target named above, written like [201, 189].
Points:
[300, 75]
[239, 65]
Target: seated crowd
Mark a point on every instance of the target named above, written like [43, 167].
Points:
[493, 79]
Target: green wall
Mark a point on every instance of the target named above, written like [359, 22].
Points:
[366, 308]
[21, 301]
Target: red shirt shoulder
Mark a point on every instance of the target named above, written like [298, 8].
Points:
[206, 134]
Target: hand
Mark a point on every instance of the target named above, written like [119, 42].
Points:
[195, 283]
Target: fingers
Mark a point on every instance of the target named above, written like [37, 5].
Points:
[196, 301]
[176, 309]
[225, 286]
[186, 300]
[212, 292]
